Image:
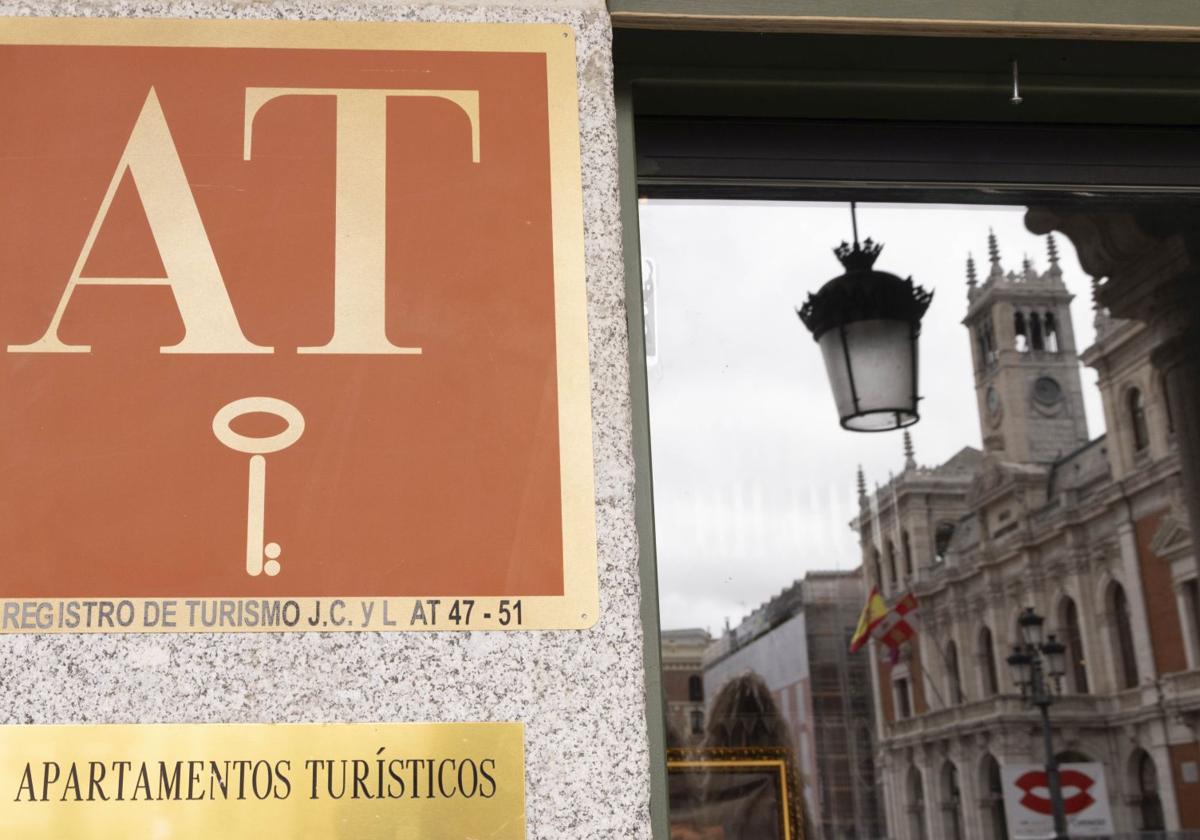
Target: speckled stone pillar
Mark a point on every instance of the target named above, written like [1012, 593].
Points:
[579, 693]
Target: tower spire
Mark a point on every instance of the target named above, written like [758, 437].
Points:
[909, 461]
[1027, 271]
[862, 486]
[971, 277]
[997, 271]
[1052, 253]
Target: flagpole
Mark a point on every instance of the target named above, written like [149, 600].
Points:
[876, 531]
[925, 671]
[899, 546]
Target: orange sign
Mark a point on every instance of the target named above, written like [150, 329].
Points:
[293, 328]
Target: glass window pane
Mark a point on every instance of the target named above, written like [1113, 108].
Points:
[846, 595]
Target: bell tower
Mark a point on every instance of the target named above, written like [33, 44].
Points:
[1027, 379]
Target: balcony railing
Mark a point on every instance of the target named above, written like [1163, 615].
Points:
[1003, 705]
[1180, 690]
[1181, 683]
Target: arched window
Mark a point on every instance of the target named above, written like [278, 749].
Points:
[916, 803]
[1146, 783]
[906, 547]
[954, 693]
[1051, 333]
[987, 343]
[993, 801]
[1077, 679]
[987, 663]
[697, 717]
[1166, 394]
[891, 563]
[941, 540]
[1035, 332]
[902, 697]
[1191, 596]
[1020, 336]
[878, 564]
[952, 801]
[1123, 630]
[695, 689]
[1137, 419]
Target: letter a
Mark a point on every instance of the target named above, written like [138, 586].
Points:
[210, 324]
[26, 785]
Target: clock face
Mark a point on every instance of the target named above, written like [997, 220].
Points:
[1047, 391]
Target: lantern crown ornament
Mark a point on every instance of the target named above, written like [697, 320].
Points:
[860, 257]
[866, 323]
[863, 294]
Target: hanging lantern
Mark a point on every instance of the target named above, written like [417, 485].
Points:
[866, 323]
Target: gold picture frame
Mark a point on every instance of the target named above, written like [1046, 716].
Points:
[718, 789]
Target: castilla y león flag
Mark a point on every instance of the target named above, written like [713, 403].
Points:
[888, 626]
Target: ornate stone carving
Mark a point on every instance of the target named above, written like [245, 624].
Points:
[1172, 534]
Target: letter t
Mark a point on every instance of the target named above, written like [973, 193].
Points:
[360, 208]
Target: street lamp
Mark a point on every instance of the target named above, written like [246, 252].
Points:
[1037, 669]
[866, 323]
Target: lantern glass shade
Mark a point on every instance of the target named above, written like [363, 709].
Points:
[1056, 657]
[1031, 627]
[1020, 665]
[872, 368]
[866, 323]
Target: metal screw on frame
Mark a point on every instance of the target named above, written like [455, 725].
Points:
[1016, 94]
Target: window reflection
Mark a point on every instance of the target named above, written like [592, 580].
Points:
[996, 820]
[1123, 631]
[951, 801]
[987, 662]
[916, 803]
[1149, 802]
[954, 680]
[774, 526]
[1073, 638]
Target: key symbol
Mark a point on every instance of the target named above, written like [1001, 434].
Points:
[257, 448]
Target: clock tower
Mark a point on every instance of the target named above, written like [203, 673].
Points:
[1027, 379]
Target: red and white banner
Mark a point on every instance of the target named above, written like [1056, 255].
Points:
[1027, 800]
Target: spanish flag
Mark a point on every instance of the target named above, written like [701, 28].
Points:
[874, 612]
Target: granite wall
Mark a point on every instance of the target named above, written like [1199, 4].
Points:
[579, 693]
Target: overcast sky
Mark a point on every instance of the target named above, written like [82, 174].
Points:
[754, 480]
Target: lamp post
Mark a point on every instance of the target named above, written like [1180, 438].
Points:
[1037, 667]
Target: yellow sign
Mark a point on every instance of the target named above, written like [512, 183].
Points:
[432, 781]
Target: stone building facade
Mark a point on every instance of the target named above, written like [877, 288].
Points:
[683, 684]
[797, 643]
[1091, 533]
